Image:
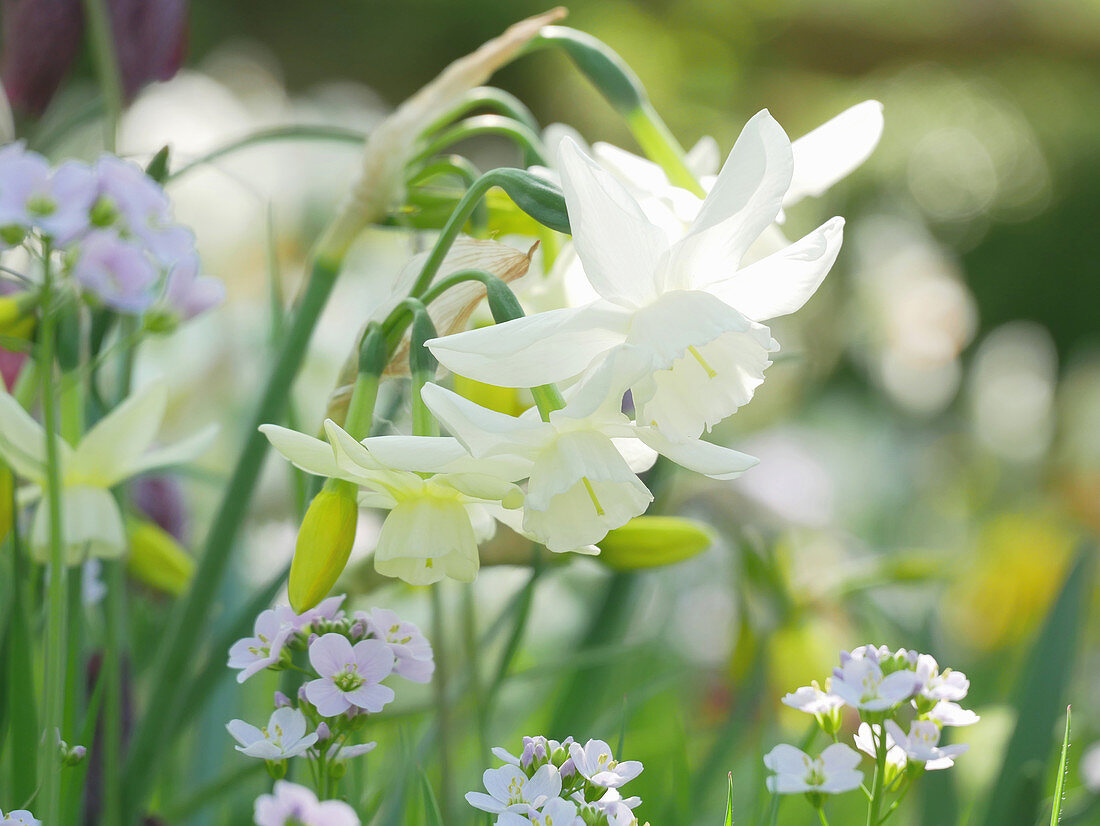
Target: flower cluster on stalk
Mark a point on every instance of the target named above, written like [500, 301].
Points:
[904, 701]
[554, 783]
[110, 227]
[344, 659]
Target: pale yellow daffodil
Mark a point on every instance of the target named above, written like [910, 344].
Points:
[115, 449]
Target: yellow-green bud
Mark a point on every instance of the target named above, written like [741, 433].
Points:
[157, 559]
[650, 541]
[324, 544]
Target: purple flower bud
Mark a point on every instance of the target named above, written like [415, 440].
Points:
[160, 497]
[281, 700]
[323, 732]
[151, 37]
[190, 294]
[567, 769]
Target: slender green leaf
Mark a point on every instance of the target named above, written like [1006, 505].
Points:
[1038, 700]
[1059, 787]
[431, 805]
[729, 803]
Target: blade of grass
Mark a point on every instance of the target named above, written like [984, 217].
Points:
[431, 805]
[1038, 700]
[729, 803]
[1059, 787]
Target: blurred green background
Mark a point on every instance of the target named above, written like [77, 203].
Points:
[930, 439]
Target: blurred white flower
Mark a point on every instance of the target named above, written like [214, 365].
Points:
[117, 447]
[832, 772]
[812, 700]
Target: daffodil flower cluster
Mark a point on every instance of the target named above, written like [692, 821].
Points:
[672, 340]
[904, 701]
[554, 783]
[344, 659]
[112, 228]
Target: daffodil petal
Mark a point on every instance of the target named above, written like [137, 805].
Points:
[539, 349]
[304, 452]
[706, 458]
[91, 526]
[784, 281]
[110, 451]
[23, 441]
[183, 451]
[831, 151]
[480, 430]
[744, 201]
[620, 248]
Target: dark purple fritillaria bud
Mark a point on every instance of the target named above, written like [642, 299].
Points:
[160, 497]
[151, 39]
[40, 41]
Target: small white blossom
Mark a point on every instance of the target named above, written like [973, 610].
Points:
[812, 700]
[936, 685]
[946, 713]
[294, 805]
[865, 742]
[264, 648]
[283, 737]
[19, 817]
[350, 675]
[555, 812]
[510, 790]
[411, 650]
[860, 682]
[595, 762]
[921, 744]
[832, 772]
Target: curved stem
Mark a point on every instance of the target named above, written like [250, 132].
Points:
[487, 97]
[337, 134]
[528, 141]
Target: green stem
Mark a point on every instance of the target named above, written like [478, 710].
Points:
[443, 705]
[658, 142]
[531, 144]
[487, 97]
[50, 766]
[821, 816]
[337, 134]
[111, 670]
[184, 636]
[875, 805]
[105, 56]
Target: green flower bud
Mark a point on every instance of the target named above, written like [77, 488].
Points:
[651, 541]
[157, 559]
[324, 544]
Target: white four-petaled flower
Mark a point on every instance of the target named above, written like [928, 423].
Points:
[832, 772]
[283, 737]
[350, 675]
[510, 790]
[595, 762]
[292, 805]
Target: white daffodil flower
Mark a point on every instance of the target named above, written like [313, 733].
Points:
[115, 449]
[686, 303]
[437, 496]
[580, 485]
[832, 772]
